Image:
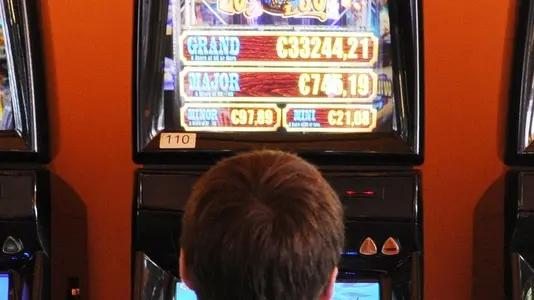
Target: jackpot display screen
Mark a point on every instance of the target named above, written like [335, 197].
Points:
[342, 291]
[6, 107]
[4, 286]
[318, 77]
[285, 66]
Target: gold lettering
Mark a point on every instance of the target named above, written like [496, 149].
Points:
[226, 6]
[239, 6]
[319, 5]
[305, 8]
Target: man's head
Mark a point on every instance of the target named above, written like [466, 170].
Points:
[263, 225]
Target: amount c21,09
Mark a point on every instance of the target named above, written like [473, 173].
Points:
[331, 84]
[305, 47]
[347, 118]
[252, 117]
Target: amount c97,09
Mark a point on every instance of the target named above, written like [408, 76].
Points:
[314, 47]
[252, 117]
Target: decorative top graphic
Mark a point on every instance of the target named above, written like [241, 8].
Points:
[283, 8]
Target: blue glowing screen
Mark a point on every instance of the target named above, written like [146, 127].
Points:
[356, 291]
[4, 286]
[184, 293]
[342, 291]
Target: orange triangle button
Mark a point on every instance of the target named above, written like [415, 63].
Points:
[368, 247]
[391, 247]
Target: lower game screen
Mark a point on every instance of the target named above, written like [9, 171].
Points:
[4, 286]
[342, 291]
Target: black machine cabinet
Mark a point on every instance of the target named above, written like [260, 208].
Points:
[383, 222]
[519, 230]
[23, 109]
[42, 239]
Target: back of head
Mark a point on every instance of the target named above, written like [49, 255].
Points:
[263, 225]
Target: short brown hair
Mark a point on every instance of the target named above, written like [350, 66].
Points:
[263, 225]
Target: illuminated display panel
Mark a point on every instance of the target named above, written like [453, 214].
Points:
[4, 286]
[520, 135]
[321, 66]
[282, 73]
[23, 112]
[6, 107]
[342, 291]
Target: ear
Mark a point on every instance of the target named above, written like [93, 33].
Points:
[184, 277]
[328, 291]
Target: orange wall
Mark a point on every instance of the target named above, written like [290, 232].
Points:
[89, 54]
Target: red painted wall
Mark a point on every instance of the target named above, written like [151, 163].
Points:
[89, 53]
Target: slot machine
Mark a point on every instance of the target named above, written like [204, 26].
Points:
[42, 225]
[340, 82]
[519, 154]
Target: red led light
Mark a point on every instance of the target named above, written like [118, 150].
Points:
[350, 193]
[368, 193]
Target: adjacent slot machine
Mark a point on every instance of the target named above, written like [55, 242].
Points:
[42, 222]
[340, 82]
[519, 149]
[519, 153]
[23, 113]
[519, 230]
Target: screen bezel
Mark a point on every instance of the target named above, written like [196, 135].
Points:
[404, 147]
[28, 142]
[515, 153]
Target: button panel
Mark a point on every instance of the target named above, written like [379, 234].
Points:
[391, 247]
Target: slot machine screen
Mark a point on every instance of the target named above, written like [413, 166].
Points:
[307, 74]
[519, 144]
[184, 293]
[6, 107]
[342, 291]
[314, 66]
[4, 286]
[23, 108]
